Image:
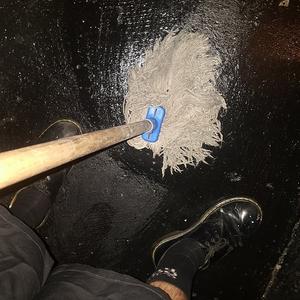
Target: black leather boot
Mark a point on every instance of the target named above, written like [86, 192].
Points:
[32, 203]
[179, 255]
[218, 231]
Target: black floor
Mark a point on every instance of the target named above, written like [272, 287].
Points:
[69, 60]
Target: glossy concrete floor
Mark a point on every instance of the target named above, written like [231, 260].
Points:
[68, 59]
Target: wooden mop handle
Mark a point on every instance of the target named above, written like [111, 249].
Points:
[23, 163]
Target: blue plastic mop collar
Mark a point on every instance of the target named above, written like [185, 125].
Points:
[156, 116]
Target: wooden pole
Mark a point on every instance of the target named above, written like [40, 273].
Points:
[23, 163]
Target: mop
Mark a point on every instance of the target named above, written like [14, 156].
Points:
[172, 108]
[179, 74]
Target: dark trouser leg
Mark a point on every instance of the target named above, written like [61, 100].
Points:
[25, 266]
[81, 282]
[24, 260]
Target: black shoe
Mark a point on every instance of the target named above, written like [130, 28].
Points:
[219, 230]
[32, 203]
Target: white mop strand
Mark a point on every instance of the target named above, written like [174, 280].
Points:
[179, 73]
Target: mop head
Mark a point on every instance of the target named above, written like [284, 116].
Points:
[179, 74]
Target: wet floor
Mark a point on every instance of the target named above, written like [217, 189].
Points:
[70, 59]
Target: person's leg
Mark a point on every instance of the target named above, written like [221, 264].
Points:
[24, 260]
[82, 282]
[179, 255]
[173, 291]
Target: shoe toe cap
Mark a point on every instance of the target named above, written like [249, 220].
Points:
[246, 214]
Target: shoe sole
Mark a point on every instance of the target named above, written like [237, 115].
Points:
[177, 234]
[62, 120]
[14, 198]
